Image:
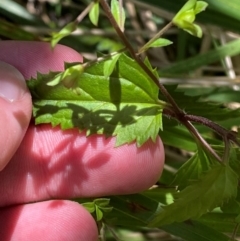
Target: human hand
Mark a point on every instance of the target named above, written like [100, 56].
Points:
[55, 164]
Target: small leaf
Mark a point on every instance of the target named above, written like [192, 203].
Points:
[94, 13]
[192, 169]
[90, 206]
[187, 6]
[161, 42]
[194, 30]
[200, 7]
[186, 16]
[68, 78]
[118, 13]
[212, 189]
[67, 30]
[99, 214]
[106, 209]
[102, 202]
[110, 64]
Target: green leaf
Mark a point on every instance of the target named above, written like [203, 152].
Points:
[178, 137]
[136, 210]
[102, 202]
[192, 29]
[99, 214]
[200, 6]
[161, 42]
[67, 30]
[221, 222]
[125, 105]
[90, 206]
[106, 209]
[192, 169]
[68, 77]
[218, 185]
[186, 16]
[94, 13]
[110, 64]
[118, 13]
[221, 13]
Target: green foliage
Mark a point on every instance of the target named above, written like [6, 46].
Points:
[192, 169]
[125, 104]
[185, 17]
[216, 186]
[110, 64]
[94, 13]
[98, 207]
[221, 13]
[136, 210]
[118, 13]
[160, 42]
[67, 30]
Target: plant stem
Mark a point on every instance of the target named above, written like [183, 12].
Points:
[224, 133]
[101, 231]
[125, 41]
[202, 141]
[170, 113]
[84, 13]
[178, 112]
[235, 231]
[160, 33]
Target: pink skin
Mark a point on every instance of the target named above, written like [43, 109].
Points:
[51, 163]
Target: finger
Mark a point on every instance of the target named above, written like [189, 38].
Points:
[32, 57]
[29, 58]
[66, 164]
[15, 111]
[51, 220]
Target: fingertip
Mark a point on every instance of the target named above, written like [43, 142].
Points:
[15, 111]
[50, 220]
[141, 168]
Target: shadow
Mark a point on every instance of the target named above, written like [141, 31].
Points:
[100, 112]
[104, 118]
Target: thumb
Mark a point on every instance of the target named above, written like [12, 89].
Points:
[15, 111]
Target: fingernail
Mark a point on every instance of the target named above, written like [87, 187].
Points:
[12, 83]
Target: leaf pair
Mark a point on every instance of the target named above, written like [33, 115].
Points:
[185, 18]
[98, 207]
